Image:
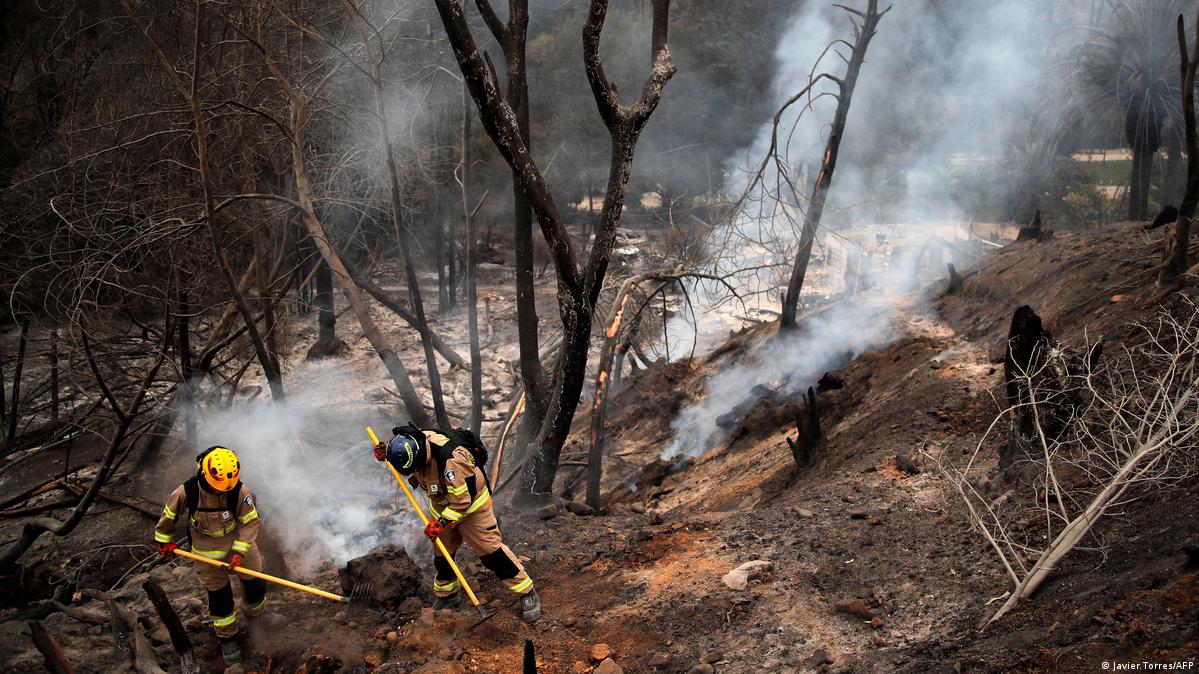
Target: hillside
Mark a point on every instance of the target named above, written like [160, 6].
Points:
[892, 548]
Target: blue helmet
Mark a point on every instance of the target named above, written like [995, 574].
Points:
[404, 452]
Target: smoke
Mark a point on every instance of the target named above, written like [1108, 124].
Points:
[946, 86]
[786, 364]
[310, 464]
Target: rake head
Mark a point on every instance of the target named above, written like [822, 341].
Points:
[359, 598]
[484, 616]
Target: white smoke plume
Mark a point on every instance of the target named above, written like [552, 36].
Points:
[944, 84]
[788, 363]
[309, 462]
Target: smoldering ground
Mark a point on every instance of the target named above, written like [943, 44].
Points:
[943, 84]
[310, 463]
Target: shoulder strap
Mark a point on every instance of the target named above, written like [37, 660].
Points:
[191, 493]
[231, 497]
[442, 454]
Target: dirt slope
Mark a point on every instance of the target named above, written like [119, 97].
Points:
[893, 547]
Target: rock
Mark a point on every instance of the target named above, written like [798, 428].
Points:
[712, 657]
[235, 669]
[803, 512]
[659, 661]
[905, 463]
[392, 637]
[703, 668]
[392, 575]
[569, 621]
[815, 544]
[855, 607]
[427, 616]
[655, 517]
[608, 666]
[738, 578]
[820, 657]
[879, 642]
[548, 512]
[638, 508]
[859, 514]
[601, 652]
[580, 667]
[411, 605]
[580, 509]
[772, 665]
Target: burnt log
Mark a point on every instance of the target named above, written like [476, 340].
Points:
[170, 619]
[56, 660]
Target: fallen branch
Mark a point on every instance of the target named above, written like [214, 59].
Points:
[129, 639]
[179, 639]
[56, 660]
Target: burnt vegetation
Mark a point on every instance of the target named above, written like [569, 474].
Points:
[802, 336]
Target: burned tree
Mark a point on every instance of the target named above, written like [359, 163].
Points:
[512, 36]
[807, 431]
[1174, 259]
[864, 29]
[578, 287]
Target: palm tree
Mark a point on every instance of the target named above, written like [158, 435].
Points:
[1128, 79]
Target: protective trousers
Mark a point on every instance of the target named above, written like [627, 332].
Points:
[481, 530]
[220, 593]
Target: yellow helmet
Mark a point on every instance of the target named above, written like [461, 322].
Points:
[220, 468]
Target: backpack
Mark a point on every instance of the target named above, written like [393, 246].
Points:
[458, 437]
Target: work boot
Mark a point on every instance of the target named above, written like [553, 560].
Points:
[530, 607]
[448, 601]
[230, 652]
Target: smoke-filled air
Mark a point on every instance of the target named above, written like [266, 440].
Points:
[698, 337]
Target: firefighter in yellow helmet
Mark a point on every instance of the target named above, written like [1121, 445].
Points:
[219, 512]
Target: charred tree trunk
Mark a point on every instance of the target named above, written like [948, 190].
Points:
[576, 287]
[1031, 232]
[327, 344]
[807, 431]
[595, 458]
[1174, 262]
[15, 403]
[54, 375]
[186, 396]
[864, 33]
[475, 420]
[1028, 341]
[512, 37]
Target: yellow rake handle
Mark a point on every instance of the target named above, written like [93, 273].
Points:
[264, 576]
[425, 520]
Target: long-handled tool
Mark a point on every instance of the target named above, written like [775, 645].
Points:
[483, 614]
[357, 600]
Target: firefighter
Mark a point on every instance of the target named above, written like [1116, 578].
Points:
[220, 514]
[448, 466]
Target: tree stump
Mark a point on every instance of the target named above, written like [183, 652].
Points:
[807, 426]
